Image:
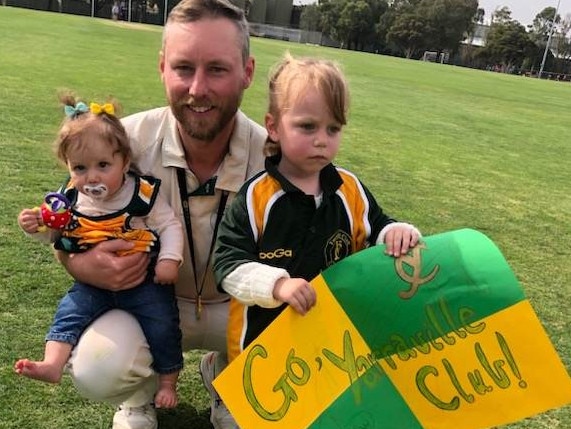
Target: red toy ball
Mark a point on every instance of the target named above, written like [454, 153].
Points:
[56, 211]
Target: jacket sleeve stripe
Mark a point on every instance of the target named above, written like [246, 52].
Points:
[260, 196]
[357, 207]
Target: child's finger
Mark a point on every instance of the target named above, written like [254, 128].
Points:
[406, 243]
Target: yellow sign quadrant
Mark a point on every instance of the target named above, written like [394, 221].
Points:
[470, 384]
[288, 380]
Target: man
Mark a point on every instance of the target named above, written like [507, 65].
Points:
[203, 148]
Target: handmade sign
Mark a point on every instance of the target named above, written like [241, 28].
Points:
[441, 338]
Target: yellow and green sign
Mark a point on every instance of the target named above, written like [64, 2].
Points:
[441, 338]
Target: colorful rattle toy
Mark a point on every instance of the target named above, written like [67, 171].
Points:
[55, 211]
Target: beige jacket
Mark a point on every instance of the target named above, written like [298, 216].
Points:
[157, 151]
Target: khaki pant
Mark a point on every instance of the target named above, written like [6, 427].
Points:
[111, 362]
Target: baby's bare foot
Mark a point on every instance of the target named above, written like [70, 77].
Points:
[166, 397]
[38, 370]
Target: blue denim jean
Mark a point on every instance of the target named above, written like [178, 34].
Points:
[154, 306]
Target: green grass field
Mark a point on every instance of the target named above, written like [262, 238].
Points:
[440, 146]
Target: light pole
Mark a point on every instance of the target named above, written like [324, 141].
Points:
[548, 40]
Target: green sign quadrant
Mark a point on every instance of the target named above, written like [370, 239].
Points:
[471, 276]
[379, 406]
[472, 273]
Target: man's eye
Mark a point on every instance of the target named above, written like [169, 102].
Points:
[183, 69]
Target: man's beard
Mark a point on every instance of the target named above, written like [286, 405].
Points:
[206, 130]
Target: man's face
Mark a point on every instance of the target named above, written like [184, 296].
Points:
[204, 75]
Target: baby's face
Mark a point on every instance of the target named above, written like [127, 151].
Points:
[97, 170]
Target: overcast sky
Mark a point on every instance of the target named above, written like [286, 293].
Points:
[522, 10]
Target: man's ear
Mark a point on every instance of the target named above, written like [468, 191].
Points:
[249, 69]
[161, 64]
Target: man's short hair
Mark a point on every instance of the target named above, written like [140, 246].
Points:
[195, 10]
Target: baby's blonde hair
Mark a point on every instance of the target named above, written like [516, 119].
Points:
[292, 76]
[74, 129]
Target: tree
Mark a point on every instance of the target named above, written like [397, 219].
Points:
[408, 32]
[450, 21]
[502, 16]
[539, 34]
[378, 9]
[386, 21]
[351, 22]
[563, 43]
[330, 11]
[354, 24]
[310, 19]
[508, 44]
[543, 21]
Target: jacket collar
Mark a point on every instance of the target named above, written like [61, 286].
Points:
[329, 177]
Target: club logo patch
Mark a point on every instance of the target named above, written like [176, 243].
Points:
[337, 247]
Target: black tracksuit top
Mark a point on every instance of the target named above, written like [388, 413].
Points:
[273, 222]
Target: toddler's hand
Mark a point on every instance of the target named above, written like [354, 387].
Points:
[400, 239]
[30, 220]
[296, 292]
[166, 272]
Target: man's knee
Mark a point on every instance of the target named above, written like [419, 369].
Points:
[111, 360]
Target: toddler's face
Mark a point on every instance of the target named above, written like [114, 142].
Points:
[97, 170]
[308, 134]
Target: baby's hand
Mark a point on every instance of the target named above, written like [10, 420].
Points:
[30, 220]
[166, 272]
[296, 292]
[400, 239]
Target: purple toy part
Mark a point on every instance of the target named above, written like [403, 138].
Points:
[57, 203]
[55, 211]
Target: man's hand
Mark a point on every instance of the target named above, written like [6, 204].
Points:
[103, 268]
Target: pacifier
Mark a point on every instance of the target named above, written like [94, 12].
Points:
[55, 211]
[98, 191]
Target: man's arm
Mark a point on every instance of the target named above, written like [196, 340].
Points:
[103, 268]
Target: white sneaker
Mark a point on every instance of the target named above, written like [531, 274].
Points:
[220, 417]
[144, 417]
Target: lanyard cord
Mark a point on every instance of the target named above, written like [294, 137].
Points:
[181, 175]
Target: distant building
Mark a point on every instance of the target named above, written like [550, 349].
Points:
[257, 12]
[273, 12]
[478, 36]
[278, 12]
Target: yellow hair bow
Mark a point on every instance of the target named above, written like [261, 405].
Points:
[98, 109]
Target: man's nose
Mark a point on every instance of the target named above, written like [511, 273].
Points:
[199, 85]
